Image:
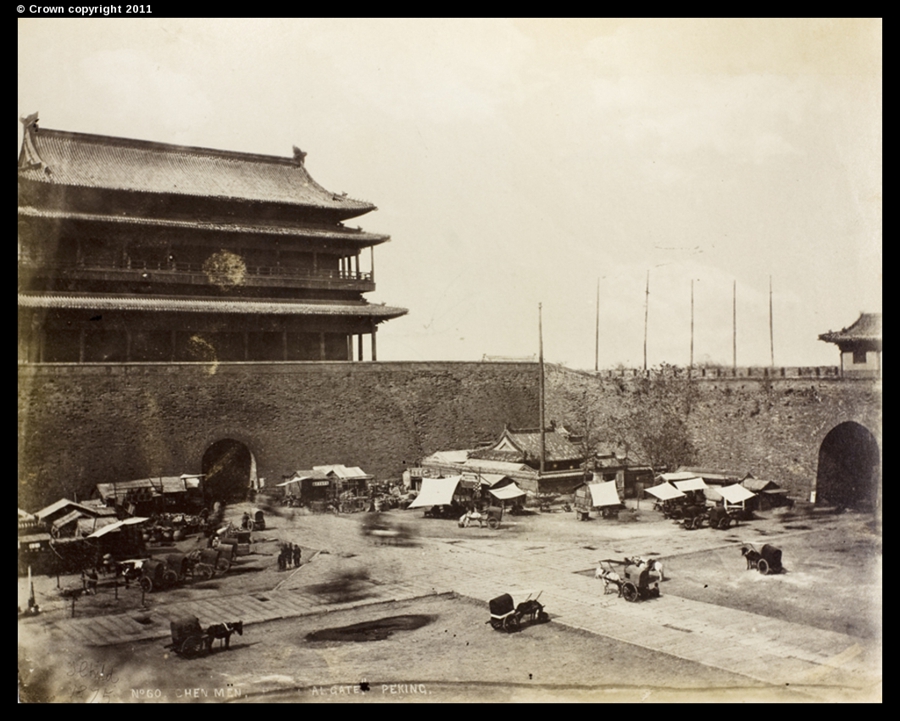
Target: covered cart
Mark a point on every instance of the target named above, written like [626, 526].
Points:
[508, 615]
[766, 560]
[635, 578]
[190, 639]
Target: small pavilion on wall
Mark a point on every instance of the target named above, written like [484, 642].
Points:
[860, 346]
[136, 251]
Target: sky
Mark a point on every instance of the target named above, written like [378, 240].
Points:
[518, 163]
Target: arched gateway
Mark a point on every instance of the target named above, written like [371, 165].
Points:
[229, 470]
[849, 468]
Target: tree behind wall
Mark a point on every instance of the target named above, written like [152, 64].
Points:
[649, 421]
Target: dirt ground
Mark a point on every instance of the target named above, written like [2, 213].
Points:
[449, 653]
[454, 656]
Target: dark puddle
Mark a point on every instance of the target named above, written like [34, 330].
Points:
[377, 630]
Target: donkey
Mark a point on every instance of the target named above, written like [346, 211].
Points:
[223, 631]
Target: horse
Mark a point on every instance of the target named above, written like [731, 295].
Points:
[609, 578]
[751, 554]
[223, 631]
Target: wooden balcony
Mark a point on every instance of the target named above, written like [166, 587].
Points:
[194, 274]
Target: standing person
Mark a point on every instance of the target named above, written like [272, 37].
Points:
[281, 559]
[296, 553]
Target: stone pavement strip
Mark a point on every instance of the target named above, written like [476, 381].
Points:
[249, 608]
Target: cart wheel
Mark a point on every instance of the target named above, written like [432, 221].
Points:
[223, 565]
[543, 617]
[689, 523]
[511, 623]
[725, 523]
[630, 592]
[146, 584]
[493, 523]
[763, 566]
[250, 525]
[170, 578]
[191, 646]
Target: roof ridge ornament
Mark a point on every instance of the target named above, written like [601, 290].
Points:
[29, 157]
[299, 156]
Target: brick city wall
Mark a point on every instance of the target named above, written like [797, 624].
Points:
[770, 425]
[84, 424]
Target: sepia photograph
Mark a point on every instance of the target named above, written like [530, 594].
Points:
[606, 428]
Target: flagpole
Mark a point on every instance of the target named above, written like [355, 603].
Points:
[541, 362]
[771, 332]
[691, 366]
[734, 326]
[646, 313]
[597, 332]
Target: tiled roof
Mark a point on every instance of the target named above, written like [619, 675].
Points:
[866, 328]
[205, 305]
[97, 161]
[527, 445]
[335, 233]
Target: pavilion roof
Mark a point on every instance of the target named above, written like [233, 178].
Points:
[866, 328]
[519, 445]
[63, 158]
[329, 232]
[206, 305]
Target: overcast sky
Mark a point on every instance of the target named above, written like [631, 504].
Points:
[517, 162]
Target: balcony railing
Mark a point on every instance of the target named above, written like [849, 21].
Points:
[179, 267]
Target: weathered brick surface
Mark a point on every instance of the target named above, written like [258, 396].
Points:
[84, 424]
[770, 427]
[80, 425]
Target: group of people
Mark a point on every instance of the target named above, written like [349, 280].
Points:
[289, 556]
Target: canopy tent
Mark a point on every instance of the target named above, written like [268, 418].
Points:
[665, 492]
[735, 494]
[436, 492]
[507, 493]
[691, 484]
[604, 494]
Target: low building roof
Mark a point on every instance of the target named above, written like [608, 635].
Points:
[61, 504]
[61, 158]
[157, 487]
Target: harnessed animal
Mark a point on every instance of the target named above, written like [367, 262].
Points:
[223, 632]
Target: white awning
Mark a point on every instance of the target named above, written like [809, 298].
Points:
[604, 494]
[664, 492]
[436, 492]
[691, 484]
[507, 492]
[736, 493]
[116, 526]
